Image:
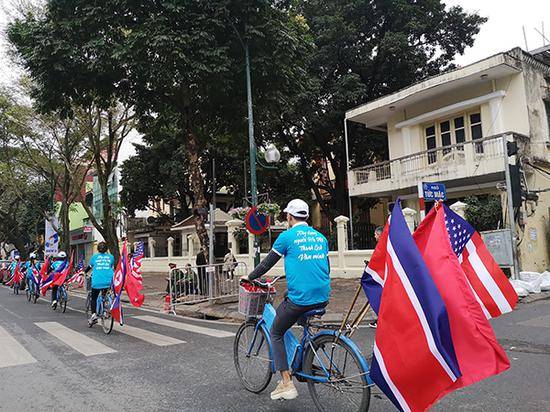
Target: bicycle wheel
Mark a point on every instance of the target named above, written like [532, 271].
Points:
[16, 289]
[107, 320]
[347, 388]
[28, 294]
[254, 370]
[63, 301]
[35, 297]
[88, 304]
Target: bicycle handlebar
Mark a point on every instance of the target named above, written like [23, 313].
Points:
[266, 285]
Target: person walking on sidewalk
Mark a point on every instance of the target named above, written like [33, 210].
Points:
[102, 265]
[229, 264]
[307, 272]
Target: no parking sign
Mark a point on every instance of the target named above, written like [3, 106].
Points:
[256, 222]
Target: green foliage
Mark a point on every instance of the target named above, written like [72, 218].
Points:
[484, 212]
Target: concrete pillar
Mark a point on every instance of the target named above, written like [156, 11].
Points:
[459, 208]
[342, 236]
[232, 226]
[170, 242]
[152, 242]
[409, 215]
[184, 244]
[191, 248]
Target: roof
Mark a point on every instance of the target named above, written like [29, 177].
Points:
[220, 218]
[376, 112]
[542, 54]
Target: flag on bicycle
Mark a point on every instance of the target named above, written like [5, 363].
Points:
[478, 352]
[35, 275]
[117, 284]
[61, 276]
[414, 360]
[78, 275]
[17, 275]
[45, 269]
[134, 280]
[490, 286]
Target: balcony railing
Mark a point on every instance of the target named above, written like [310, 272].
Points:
[453, 161]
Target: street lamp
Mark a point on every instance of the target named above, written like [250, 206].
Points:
[272, 155]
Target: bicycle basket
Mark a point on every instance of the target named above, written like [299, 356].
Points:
[252, 301]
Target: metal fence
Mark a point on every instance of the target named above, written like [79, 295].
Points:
[195, 284]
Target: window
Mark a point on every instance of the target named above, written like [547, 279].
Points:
[460, 132]
[445, 128]
[430, 143]
[476, 131]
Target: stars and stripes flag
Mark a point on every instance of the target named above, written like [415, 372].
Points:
[117, 284]
[78, 275]
[491, 287]
[17, 275]
[414, 361]
[35, 275]
[134, 281]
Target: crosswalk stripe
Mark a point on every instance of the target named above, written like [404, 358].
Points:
[148, 336]
[78, 341]
[185, 326]
[12, 353]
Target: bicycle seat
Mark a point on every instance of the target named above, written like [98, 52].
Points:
[306, 317]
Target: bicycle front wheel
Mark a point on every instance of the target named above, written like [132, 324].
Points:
[88, 304]
[107, 320]
[63, 303]
[28, 294]
[347, 386]
[251, 357]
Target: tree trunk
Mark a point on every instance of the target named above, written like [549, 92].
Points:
[200, 210]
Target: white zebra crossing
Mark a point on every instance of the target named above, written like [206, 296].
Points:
[12, 352]
[216, 333]
[148, 336]
[75, 340]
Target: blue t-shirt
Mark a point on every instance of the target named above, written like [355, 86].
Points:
[306, 264]
[28, 268]
[103, 265]
[57, 266]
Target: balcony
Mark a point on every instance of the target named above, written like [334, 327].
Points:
[468, 163]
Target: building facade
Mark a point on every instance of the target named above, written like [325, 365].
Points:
[453, 128]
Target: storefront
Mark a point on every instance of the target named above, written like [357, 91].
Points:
[82, 242]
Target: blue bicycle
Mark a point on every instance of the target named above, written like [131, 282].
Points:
[62, 298]
[103, 310]
[32, 291]
[336, 372]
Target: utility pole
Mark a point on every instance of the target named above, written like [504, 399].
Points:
[252, 147]
[511, 218]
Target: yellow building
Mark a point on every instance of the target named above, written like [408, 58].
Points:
[452, 128]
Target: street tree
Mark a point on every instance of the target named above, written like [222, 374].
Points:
[183, 57]
[364, 50]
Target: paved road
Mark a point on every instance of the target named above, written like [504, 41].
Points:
[163, 363]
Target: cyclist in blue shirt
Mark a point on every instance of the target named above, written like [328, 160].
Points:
[102, 265]
[32, 262]
[57, 266]
[307, 272]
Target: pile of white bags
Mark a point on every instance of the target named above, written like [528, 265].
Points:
[531, 282]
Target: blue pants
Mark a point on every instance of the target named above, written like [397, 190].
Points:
[288, 314]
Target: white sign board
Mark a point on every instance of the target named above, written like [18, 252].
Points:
[51, 238]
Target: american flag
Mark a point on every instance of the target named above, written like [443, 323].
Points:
[78, 275]
[135, 262]
[491, 287]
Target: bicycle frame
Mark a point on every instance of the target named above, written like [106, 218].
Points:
[61, 291]
[299, 348]
[99, 305]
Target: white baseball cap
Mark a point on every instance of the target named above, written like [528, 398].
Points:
[32, 255]
[61, 255]
[297, 208]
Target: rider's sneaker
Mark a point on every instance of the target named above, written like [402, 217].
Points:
[373, 324]
[93, 319]
[284, 391]
[54, 304]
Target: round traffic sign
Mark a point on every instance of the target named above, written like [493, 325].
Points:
[256, 222]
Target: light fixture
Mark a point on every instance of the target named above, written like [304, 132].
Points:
[271, 154]
[484, 76]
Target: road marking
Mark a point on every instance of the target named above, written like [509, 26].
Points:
[187, 327]
[148, 336]
[77, 341]
[12, 353]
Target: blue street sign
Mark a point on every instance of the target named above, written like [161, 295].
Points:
[433, 191]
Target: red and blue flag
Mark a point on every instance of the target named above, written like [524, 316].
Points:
[117, 284]
[78, 275]
[414, 360]
[134, 281]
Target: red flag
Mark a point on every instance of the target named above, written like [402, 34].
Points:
[17, 276]
[60, 278]
[44, 269]
[118, 284]
[134, 280]
[478, 352]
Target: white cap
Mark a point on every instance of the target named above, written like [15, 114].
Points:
[32, 255]
[297, 208]
[61, 255]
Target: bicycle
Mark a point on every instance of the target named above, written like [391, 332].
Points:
[336, 372]
[62, 298]
[16, 286]
[103, 310]
[88, 309]
[32, 292]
